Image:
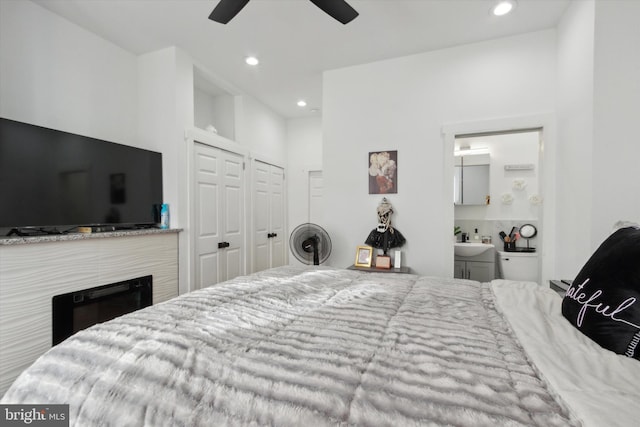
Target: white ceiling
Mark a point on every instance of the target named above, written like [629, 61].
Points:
[294, 40]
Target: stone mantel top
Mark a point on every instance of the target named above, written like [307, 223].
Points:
[22, 240]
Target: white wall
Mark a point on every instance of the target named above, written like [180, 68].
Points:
[598, 107]
[402, 104]
[616, 104]
[156, 104]
[58, 75]
[575, 133]
[261, 130]
[204, 110]
[217, 111]
[166, 109]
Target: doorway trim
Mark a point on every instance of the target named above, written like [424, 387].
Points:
[546, 122]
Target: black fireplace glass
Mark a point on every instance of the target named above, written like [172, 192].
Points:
[79, 310]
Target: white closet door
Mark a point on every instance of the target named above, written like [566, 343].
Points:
[219, 215]
[207, 227]
[316, 192]
[233, 214]
[268, 216]
[261, 213]
[277, 216]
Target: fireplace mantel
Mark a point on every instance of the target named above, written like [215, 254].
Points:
[70, 237]
[34, 269]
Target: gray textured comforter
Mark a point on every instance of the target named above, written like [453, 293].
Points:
[301, 347]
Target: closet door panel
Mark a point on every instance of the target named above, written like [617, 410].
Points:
[207, 219]
[218, 223]
[269, 235]
[208, 270]
[233, 221]
[261, 241]
[276, 202]
[233, 262]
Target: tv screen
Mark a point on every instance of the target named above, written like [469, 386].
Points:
[50, 178]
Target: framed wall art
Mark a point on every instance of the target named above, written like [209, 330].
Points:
[383, 172]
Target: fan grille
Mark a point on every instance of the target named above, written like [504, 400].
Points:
[301, 247]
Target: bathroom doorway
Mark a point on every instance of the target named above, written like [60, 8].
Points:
[518, 157]
[497, 190]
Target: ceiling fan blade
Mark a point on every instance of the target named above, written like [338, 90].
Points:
[226, 10]
[338, 9]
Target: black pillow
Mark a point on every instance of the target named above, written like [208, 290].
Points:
[604, 300]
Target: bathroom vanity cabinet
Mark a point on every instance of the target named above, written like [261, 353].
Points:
[479, 267]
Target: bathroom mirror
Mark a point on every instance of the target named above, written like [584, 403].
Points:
[528, 231]
[471, 180]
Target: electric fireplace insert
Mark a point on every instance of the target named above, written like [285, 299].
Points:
[78, 310]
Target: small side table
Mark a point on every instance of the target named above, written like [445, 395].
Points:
[560, 286]
[405, 270]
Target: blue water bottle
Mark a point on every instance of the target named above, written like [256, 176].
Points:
[164, 216]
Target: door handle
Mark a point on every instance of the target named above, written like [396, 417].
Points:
[270, 235]
[222, 245]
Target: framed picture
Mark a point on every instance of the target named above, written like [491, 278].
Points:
[363, 256]
[383, 261]
[383, 172]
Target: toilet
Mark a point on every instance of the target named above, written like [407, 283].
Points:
[519, 266]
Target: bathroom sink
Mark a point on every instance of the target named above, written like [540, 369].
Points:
[471, 249]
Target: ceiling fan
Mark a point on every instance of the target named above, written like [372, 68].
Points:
[337, 9]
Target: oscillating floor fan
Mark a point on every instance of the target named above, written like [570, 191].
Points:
[310, 244]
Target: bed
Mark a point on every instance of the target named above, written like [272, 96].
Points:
[315, 346]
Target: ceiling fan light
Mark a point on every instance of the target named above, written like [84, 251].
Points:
[503, 7]
[251, 60]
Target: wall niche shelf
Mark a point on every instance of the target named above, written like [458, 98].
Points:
[213, 105]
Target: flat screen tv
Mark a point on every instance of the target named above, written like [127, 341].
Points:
[53, 180]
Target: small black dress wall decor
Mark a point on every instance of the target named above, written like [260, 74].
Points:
[384, 236]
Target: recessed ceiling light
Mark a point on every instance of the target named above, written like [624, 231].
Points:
[251, 60]
[503, 7]
[302, 103]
